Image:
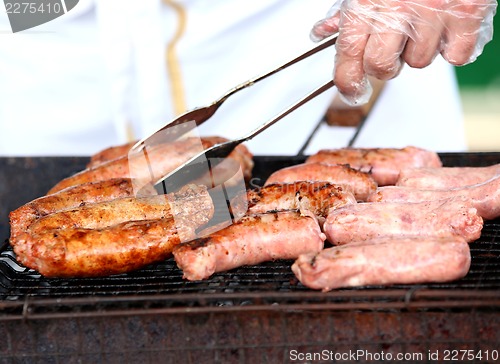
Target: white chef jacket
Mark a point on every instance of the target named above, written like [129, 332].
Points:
[112, 71]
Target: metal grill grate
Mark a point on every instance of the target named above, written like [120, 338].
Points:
[165, 278]
[265, 284]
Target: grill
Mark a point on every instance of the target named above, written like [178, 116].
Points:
[251, 314]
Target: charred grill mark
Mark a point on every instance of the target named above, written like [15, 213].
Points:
[196, 244]
[321, 186]
[254, 219]
[273, 211]
[313, 260]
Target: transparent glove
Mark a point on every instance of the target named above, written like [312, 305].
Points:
[376, 37]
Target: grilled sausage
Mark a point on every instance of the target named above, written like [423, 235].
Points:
[385, 261]
[359, 183]
[446, 177]
[485, 197]
[190, 202]
[240, 154]
[71, 198]
[164, 158]
[79, 252]
[252, 240]
[85, 247]
[177, 153]
[318, 197]
[365, 221]
[110, 153]
[383, 164]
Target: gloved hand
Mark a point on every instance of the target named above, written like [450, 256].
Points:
[376, 37]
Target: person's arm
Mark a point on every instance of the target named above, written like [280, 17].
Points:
[377, 37]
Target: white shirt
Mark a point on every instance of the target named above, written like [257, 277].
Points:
[101, 76]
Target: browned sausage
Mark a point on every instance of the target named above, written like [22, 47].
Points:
[110, 153]
[163, 157]
[109, 213]
[177, 153]
[241, 154]
[70, 198]
[318, 197]
[252, 240]
[359, 183]
[79, 252]
[83, 245]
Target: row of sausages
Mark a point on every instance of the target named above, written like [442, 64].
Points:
[332, 215]
[374, 242]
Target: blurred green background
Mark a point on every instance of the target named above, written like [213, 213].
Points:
[480, 92]
[485, 72]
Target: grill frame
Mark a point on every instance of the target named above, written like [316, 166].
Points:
[229, 324]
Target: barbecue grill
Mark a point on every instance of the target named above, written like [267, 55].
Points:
[250, 314]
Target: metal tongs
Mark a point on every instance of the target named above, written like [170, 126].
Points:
[216, 153]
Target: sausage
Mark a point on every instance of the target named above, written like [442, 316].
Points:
[244, 157]
[240, 154]
[113, 237]
[446, 177]
[71, 198]
[365, 221]
[164, 157]
[191, 202]
[359, 183]
[79, 252]
[177, 152]
[110, 153]
[385, 261]
[253, 239]
[233, 171]
[384, 164]
[318, 197]
[484, 197]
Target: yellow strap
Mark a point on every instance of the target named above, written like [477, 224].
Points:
[129, 130]
[173, 64]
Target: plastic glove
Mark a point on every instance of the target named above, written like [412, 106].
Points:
[376, 37]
